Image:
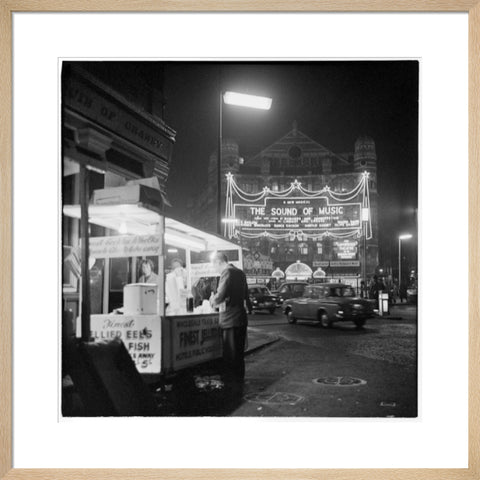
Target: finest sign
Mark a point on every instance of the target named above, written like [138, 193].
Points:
[298, 214]
[196, 339]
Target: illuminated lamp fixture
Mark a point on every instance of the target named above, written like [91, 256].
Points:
[245, 100]
[365, 214]
[123, 228]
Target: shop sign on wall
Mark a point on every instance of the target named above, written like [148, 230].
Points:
[89, 100]
[346, 249]
[140, 335]
[126, 246]
[345, 263]
[297, 213]
[196, 339]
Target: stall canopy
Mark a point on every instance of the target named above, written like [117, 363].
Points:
[139, 219]
[298, 271]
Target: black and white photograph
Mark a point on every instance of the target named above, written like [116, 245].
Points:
[239, 238]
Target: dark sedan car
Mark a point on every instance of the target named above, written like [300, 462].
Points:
[261, 298]
[290, 290]
[328, 303]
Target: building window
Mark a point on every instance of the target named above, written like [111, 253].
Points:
[295, 152]
[319, 248]
[303, 247]
[275, 186]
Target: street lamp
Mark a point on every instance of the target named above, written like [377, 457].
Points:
[365, 219]
[405, 236]
[240, 100]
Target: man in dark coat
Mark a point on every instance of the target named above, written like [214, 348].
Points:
[231, 299]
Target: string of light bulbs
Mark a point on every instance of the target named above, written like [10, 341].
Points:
[360, 190]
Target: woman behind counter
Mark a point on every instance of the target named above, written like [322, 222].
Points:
[148, 276]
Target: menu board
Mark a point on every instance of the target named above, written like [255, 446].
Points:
[125, 246]
[140, 335]
[195, 339]
[298, 213]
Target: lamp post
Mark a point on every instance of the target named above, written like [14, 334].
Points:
[365, 219]
[405, 236]
[240, 100]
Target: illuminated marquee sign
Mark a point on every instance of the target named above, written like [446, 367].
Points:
[298, 213]
[346, 249]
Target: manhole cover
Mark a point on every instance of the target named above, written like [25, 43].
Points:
[340, 381]
[275, 398]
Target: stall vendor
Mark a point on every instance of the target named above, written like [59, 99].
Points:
[176, 288]
[148, 275]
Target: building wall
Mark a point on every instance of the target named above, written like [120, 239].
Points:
[112, 121]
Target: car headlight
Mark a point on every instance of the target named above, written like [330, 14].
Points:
[255, 302]
[340, 312]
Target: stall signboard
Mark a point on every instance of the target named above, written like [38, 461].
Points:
[126, 246]
[298, 213]
[140, 335]
[195, 339]
[346, 249]
[206, 269]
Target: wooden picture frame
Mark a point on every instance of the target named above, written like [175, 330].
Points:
[8, 7]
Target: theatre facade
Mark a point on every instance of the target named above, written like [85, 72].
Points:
[299, 209]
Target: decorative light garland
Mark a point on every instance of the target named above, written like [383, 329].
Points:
[362, 188]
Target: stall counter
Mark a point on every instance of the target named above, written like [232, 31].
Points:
[163, 344]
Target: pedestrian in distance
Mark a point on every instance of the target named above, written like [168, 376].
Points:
[232, 301]
[403, 292]
[394, 291]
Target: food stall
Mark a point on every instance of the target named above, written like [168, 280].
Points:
[160, 334]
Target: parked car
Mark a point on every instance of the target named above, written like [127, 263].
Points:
[261, 298]
[290, 290]
[328, 303]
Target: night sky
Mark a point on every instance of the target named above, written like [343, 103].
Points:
[332, 102]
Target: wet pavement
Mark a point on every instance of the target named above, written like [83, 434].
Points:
[310, 371]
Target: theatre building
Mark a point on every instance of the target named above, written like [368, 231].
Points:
[297, 204]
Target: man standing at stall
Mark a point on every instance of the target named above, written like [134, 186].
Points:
[231, 299]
